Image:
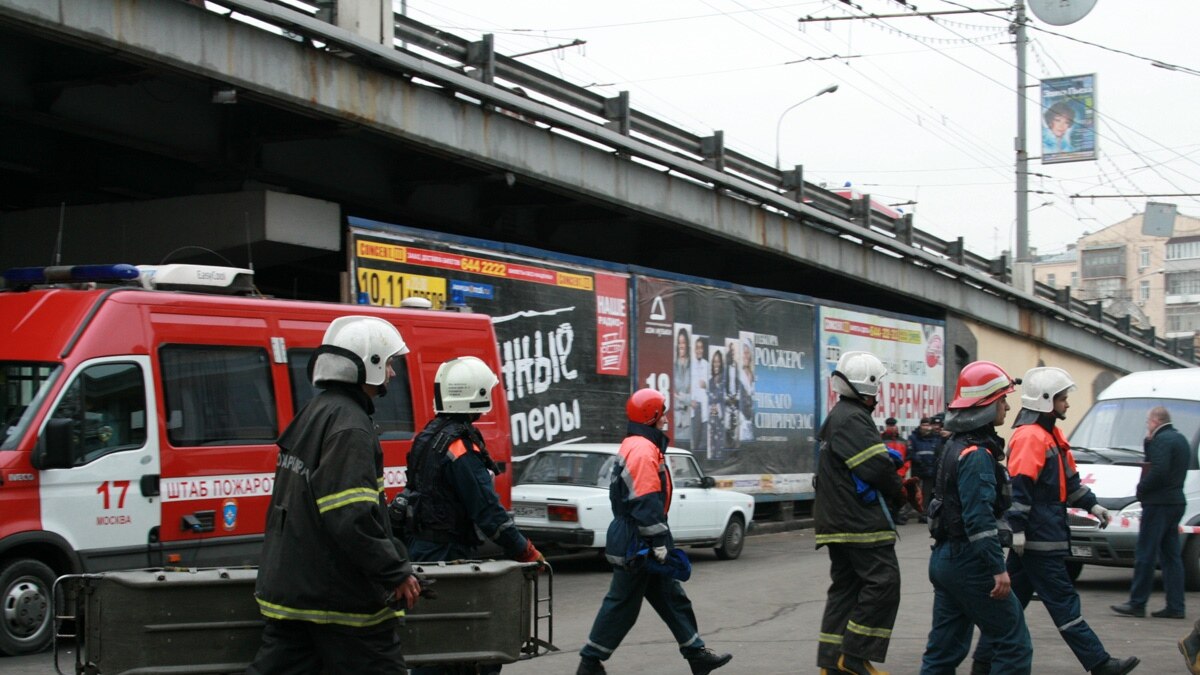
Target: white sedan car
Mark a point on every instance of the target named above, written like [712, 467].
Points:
[561, 501]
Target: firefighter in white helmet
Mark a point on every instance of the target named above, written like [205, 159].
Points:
[856, 482]
[329, 562]
[450, 474]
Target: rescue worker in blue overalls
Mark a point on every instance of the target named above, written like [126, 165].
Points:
[856, 485]
[639, 491]
[971, 586]
[1045, 482]
[450, 476]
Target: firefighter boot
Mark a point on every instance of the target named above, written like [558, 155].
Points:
[1190, 648]
[853, 664]
[707, 661]
[1115, 666]
[589, 667]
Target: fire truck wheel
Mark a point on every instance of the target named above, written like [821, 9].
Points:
[27, 622]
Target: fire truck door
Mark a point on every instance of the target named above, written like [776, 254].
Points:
[105, 504]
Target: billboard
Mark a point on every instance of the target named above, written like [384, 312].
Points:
[1068, 119]
[737, 369]
[912, 351]
[563, 329]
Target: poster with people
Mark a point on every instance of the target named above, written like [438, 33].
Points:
[1068, 119]
[736, 369]
[562, 330]
[913, 352]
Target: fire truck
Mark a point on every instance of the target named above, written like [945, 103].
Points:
[140, 408]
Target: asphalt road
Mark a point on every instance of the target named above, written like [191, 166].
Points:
[765, 608]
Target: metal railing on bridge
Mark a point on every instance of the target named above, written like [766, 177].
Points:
[442, 59]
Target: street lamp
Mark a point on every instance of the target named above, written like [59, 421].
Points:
[827, 90]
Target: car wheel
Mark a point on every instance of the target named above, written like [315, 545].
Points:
[1191, 564]
[1074, 569]
[732, 539]
[26, 607]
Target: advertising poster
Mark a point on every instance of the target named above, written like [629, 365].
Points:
[1068, 119]
[563, 330]
[737, 369]
[913, 352]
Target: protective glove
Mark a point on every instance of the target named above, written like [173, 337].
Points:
[1019, 543]
[531, 554]
[660, 553]
[1101, 513]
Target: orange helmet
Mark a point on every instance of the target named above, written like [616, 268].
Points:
[646, 406]
[979, 384]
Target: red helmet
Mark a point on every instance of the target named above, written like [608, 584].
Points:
[979, 384]
[646, 406]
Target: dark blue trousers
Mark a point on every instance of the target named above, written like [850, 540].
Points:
[1046, 573]
[621, 606]
[962, 587]
[1158, 539]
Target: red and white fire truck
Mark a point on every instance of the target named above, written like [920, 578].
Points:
[139, 421]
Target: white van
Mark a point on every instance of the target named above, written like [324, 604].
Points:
[1108, 449]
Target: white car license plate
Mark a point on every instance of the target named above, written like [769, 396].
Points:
[1081, 551]
[529, 511]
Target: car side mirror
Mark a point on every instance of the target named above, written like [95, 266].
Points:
[53, 450]
[708, 481]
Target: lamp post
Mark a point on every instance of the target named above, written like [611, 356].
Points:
[778, 125]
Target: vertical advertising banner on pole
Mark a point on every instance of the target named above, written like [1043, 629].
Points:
[738, 372]
[1068, 119]
[913, 352]
[563, 330]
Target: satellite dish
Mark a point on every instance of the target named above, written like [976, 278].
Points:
[1061, 12]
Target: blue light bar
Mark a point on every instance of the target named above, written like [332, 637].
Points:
[22, 276]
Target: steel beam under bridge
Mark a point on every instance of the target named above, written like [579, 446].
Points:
[375, 89]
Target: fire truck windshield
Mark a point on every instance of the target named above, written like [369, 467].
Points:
[24, 385]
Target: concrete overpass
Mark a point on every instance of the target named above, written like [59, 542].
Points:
[137, 127]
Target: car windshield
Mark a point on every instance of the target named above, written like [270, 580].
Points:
[588, 469]
[23, 386]
[1114, 429]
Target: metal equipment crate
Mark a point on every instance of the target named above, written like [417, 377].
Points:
[193, 622]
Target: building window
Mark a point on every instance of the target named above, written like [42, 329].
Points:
[1104, 289]
[1183, 283]
[1183, 319]
[1074, 279]
[1052, 280]
[1144, 290]
[1143, 258]
[1103, 262]
[1182, 250]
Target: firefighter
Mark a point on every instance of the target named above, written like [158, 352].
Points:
[856, 482]
[1044, 483]
[971, 586]
[329, 562]
[640, 493]
[450, 477]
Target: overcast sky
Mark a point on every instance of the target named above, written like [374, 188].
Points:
[925, 111]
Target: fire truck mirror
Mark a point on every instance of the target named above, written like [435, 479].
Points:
[54, 447]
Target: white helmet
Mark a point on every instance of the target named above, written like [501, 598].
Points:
[858, 374]
[356, 349]
[1041, 385]
[463, 385]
